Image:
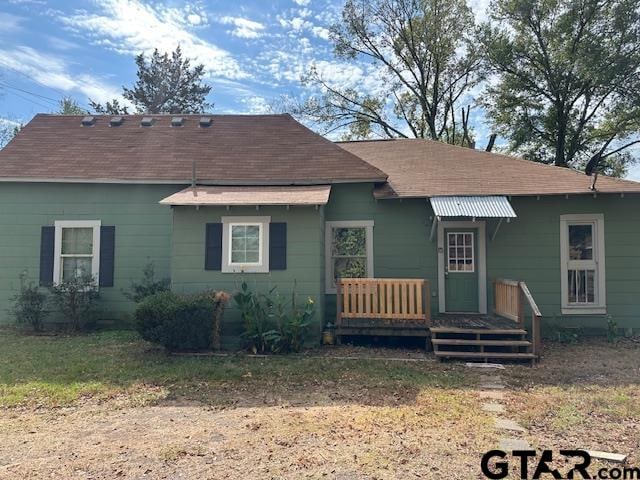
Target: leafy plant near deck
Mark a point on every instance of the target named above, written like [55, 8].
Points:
[269, 325]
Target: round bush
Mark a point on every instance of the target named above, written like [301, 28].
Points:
[179, 322]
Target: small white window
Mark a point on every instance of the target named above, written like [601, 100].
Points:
[245, 244]
[583, 266]
[77, 249]
[461, 252]
[348, 251]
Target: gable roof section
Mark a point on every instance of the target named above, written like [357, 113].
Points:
[426, 168]
[234, 149]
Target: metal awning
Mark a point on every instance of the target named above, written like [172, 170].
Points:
[203, 195]
[473, 206]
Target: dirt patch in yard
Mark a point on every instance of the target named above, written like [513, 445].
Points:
[585, 395]
[354, 441]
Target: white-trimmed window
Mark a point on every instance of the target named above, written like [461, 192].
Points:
[583, 264]
[348, 251]
[245, 244]
[76, 250]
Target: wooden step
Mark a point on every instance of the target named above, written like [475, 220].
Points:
[486, 343]
[528, 356]
[482, 331]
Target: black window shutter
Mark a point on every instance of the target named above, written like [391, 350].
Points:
[213, 247]
[107, 255]
[47, 244]
[277, 246]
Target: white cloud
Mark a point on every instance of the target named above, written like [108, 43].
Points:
[302, 3]
[130, 27]
[256, 104]
[320, 32]
[244, 28]
[10, 23]
[54, 72]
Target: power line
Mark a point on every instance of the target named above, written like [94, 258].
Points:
[29, 77]
[48, 107]
[43, 97]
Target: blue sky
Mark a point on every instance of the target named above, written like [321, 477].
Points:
[253, 51]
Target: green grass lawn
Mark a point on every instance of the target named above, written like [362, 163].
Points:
[62, 370]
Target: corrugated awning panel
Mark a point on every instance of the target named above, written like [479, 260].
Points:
[472, 206]
[251, 195]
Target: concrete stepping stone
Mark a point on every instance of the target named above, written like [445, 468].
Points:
[506, 424]
[484, 365]
[608, 456]
[492, 395]
[492, 386]
[490, 378]
[493, 407]
[510, 444]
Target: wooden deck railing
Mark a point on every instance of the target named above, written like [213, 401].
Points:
[383, 298]
[509, 298]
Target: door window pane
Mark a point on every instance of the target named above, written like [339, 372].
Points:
[460, 252]
[581, 242]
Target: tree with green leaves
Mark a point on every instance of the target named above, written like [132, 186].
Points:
[8, 130]
[69, 106]
[429, 63]
[567, 79]
[166, 84]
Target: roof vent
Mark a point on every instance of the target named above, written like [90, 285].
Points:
[205, 122]
[147, 121]
[88, 121]
[176, 121]
[115, 121]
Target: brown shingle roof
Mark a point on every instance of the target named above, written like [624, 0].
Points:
[235, 149]
[254, 195]
[425, 168]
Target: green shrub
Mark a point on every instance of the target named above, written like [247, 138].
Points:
[181, 322]
[268, 325]
[76, 299]
[29, 305]
[147, 286]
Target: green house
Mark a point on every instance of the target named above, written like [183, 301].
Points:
[436, 231]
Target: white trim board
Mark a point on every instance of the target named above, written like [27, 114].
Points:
[482, 262]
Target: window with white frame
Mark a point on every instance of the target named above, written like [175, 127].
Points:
[583, 264]
[349, 251]
[77, 249]
[245, 244]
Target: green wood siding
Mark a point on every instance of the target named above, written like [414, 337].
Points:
[143, 232]
[527, 248]
[304, 259]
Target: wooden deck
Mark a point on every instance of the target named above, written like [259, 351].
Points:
[401, 307]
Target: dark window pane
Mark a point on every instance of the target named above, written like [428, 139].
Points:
[349, 241]
[580, 242]
[349, 268]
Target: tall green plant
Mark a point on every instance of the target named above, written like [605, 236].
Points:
[148, 285]
[256, 310]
